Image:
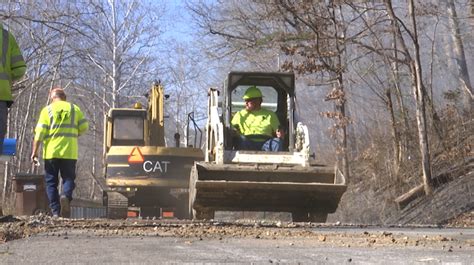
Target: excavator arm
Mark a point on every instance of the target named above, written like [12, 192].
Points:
[156, 117]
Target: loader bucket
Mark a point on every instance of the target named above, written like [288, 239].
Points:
[309, 193]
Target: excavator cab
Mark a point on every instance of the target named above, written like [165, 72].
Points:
[127, 127]
[241, 180]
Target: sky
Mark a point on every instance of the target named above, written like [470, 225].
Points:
[179, 24]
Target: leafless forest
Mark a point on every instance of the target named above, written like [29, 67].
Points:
[384, 86]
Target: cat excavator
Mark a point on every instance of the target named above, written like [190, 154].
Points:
[143, 176]
[240, 180]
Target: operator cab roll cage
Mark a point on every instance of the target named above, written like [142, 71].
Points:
[284, 86]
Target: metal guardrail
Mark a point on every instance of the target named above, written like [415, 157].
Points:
[78, 212]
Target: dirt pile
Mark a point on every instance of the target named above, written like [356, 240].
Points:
[349, 236]
[12, 228]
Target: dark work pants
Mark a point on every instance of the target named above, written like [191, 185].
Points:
[67, 169]
[3, 123]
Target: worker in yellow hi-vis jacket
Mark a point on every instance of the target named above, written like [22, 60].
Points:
[59, 125]
[12, 67]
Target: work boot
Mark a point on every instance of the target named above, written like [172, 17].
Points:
[65, 207]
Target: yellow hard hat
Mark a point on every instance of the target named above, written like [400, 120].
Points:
[137, 105]
[252, 92]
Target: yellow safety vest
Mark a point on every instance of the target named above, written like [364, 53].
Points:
[12, 64]
[260, 122]
[59, 125]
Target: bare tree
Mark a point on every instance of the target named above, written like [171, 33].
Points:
[418, 88]
[117, 43]
[185, 76]
[460, 57]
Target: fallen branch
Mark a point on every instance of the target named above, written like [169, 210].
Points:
[403, 200]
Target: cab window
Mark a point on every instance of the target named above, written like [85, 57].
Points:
[128, 128]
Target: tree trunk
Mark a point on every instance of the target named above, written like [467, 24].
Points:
[395, 135]
[472, 8]
[94, 150]
[6, 184]
[418, 90]
[343, 160]
[420, 105]
[403, 134]
[460, 58]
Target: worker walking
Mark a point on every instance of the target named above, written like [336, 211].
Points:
[12, 68]
[59, 125]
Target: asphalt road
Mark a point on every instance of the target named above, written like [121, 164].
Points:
[314, 246]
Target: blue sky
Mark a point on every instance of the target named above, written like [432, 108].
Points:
[178, 21]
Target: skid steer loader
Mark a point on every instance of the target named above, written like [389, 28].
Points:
[238, 180]
[144, 177]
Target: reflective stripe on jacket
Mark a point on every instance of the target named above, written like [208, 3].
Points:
[59, 125]
[12, 64]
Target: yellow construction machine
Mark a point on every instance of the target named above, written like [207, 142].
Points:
[237, 180]
[144, 177]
